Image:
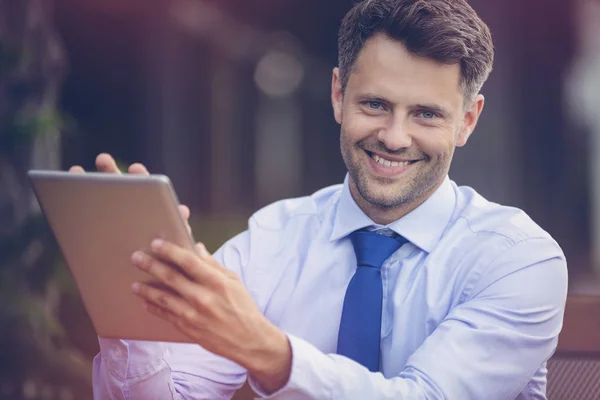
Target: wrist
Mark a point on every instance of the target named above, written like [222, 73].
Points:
[270, 361]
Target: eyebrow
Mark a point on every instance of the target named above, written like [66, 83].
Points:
[373, 97]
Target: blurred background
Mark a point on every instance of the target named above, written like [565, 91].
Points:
[230, 99]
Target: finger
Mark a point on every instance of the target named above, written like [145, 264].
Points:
[181, 323]
[188, 261]
[76, 169]
[160, 312]
[169, 303]
[166, 274]
[138, 169]
[184, 211]
[209, 259]
[185, 214]
[202, 251]
[106, 163]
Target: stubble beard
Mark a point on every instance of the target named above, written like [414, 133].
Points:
[384, 193]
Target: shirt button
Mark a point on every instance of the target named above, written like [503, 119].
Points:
[116, 353]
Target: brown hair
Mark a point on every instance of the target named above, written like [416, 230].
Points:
[448, 31]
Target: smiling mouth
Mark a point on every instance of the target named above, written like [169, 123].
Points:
[389, 163]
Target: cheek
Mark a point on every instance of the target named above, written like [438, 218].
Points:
[436, 142]
[359, 127]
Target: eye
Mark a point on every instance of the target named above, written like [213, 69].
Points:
[375, 105]
[427, 114]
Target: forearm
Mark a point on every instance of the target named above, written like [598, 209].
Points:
[315, 375]
[268, 358]
[488, 347]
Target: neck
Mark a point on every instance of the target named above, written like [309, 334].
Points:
[386, 215]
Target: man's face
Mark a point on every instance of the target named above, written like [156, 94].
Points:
[401, 118]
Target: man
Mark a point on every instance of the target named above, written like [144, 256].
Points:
[397, 284]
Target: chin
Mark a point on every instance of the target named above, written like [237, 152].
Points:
[381, 194]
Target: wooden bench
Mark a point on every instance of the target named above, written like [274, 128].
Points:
[574, 370]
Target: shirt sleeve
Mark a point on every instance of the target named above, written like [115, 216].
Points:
[488, 347]
[132, 370]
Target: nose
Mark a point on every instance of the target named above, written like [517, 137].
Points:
[396, 134]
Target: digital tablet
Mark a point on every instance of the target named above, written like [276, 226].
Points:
[99, 220]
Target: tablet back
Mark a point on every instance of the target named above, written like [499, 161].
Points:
[99, 220]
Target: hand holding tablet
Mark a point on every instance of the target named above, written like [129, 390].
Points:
[128, 246]
[99, 220]
[106, 163]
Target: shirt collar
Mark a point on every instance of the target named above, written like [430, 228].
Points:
[423, 227]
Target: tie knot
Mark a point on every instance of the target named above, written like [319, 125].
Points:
[372, 249]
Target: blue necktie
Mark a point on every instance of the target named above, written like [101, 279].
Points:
[360, 328]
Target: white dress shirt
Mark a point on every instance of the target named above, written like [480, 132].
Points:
[472, 306]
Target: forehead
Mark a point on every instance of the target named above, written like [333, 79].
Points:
[384, 67]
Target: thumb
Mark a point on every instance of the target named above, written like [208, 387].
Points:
[201, 249]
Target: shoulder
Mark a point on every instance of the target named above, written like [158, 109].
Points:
[482, 220]
[285, 222]
[487, 242]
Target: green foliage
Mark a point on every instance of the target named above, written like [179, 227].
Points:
[26, 126]
[33, 277]
[26, 115]
[30, 262]
[30, 124]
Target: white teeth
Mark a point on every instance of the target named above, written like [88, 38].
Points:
[387, 163]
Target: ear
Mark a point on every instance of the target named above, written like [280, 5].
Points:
[470, 120]
[336, 95]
